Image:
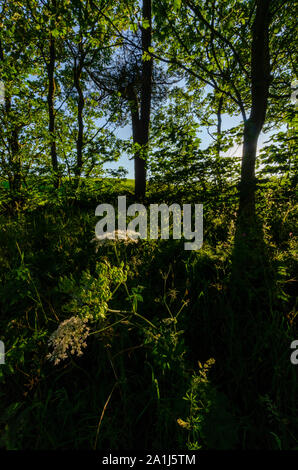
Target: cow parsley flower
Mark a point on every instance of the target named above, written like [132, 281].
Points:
[69, 338]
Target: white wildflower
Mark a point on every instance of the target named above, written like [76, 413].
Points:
[126, 236]
[70, 337]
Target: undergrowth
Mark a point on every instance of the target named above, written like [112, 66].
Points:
[183, 349]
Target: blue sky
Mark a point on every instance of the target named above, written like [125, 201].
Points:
[227, 123]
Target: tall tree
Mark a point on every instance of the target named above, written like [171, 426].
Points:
[141, 114]
[260, 82]
[49, 26]
[132, 78]
[234, 47]
[18, 110]
[50, 65]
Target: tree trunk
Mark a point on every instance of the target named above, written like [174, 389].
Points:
[141, 128]
[81, 103]
[15, 161]
[248, 180]
[218, 145]
[260, 81]
[15, 165]
[51, 111]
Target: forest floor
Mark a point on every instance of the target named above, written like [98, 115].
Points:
[185, 349]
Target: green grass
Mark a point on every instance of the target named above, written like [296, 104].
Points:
[138, 383]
